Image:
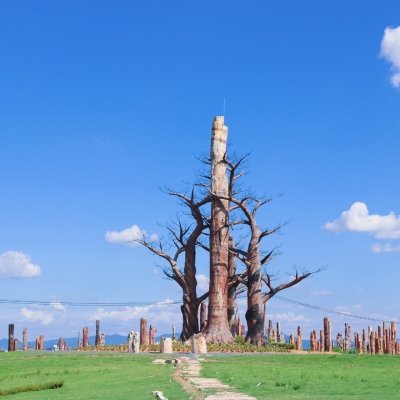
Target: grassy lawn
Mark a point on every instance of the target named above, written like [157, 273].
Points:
[309, 376]
[88, 376]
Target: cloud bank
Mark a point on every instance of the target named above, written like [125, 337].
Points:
[390, 49]
[358, 219]
[16, 264]
[384, 248]
[43, 314]
[128, 236]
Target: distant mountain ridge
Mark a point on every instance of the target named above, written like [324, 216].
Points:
[111, 340]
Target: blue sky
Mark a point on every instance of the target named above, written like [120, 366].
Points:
[104, 102]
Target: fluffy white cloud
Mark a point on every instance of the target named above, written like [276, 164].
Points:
[42, 317]
[390, 49]
[384, 248]
[128, 236]
[288, 317]
[16, 264]
[162, 312]
[203, 283]
[358, 219]
[321, 293]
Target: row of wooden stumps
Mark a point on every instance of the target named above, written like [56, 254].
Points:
[148, 336]
[13, 342]
[100, 340]
[381, 341]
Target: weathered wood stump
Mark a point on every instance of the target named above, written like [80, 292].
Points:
[144, 334]
[97, 340]
[152, 334]
[321, 340]
[347, 340]
[299, 339]
[25, 339]
[102, 340]
[85, 336]
[339, 340]
[16, 348]
[80, 343]
[60, 343]
[133, 342]
[11, 337]
[372, 342]
[198, 344]
[65, 345]
[166, 345]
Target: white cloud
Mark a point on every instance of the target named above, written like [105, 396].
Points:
[128, 236]
[37, 316]
[203, 283]
[288, 317]
[321, 293]
[358, 219]
[154, 272]
[390, 49]
[162, 312]
[384, 248]
[16, 264]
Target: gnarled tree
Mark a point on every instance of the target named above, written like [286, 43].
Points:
[183, 239]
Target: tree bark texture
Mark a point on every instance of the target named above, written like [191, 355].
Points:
[11, 337]
[25, 339]
[203, 316]
[97, 342]
[232, 305]
[217, 330]
[85, 336]
[144, 334]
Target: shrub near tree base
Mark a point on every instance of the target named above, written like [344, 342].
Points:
[239, 346]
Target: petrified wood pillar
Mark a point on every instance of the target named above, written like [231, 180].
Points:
[359, 344]
[152, 334]
[356, 340]
[313, 341]
[379, 341]
[80, 343]
[242, 330]
[15, 344]
[372, 342]
[339, 340]
[347, 340]
[166, 345]
[144, 334]
[291, 338]
[238, 327]
[364, 341]
[65, 345]
[103, 340]
[85, 336]
[394, 336]
[387, 342]
[278, 332]
[217, 329]
[299, 339]
[11, 337]
[60, 344]
[203, 316]
[41, 342]
[173, 332]
[270, 329]
[321, 340]
[384, 338]
[37, 344]
[25, 339]
[97, 341]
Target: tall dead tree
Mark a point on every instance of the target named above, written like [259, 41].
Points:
[253, 257]
[217, 329]
[183, 239]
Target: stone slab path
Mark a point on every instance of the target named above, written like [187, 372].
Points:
[191, 371]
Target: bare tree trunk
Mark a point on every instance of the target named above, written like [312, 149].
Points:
[232, 305]
[203, 316]
[97, 341]
[217, 330]
[11, 337]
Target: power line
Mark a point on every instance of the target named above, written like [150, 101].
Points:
[88, 304]
[299, 303]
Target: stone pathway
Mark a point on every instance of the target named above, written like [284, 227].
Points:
[191, 371]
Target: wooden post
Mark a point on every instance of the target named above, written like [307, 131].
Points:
[321, 340]
[299, 339]
[11, 337]
[25, 339]
[97, 342]
[85, 336]
[372, 342]
[217, 329]
[144, 334]
[203, 317]
[347, 340]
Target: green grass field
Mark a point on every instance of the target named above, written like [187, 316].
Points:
[88, 376]
[124, 376]
[333, 376]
